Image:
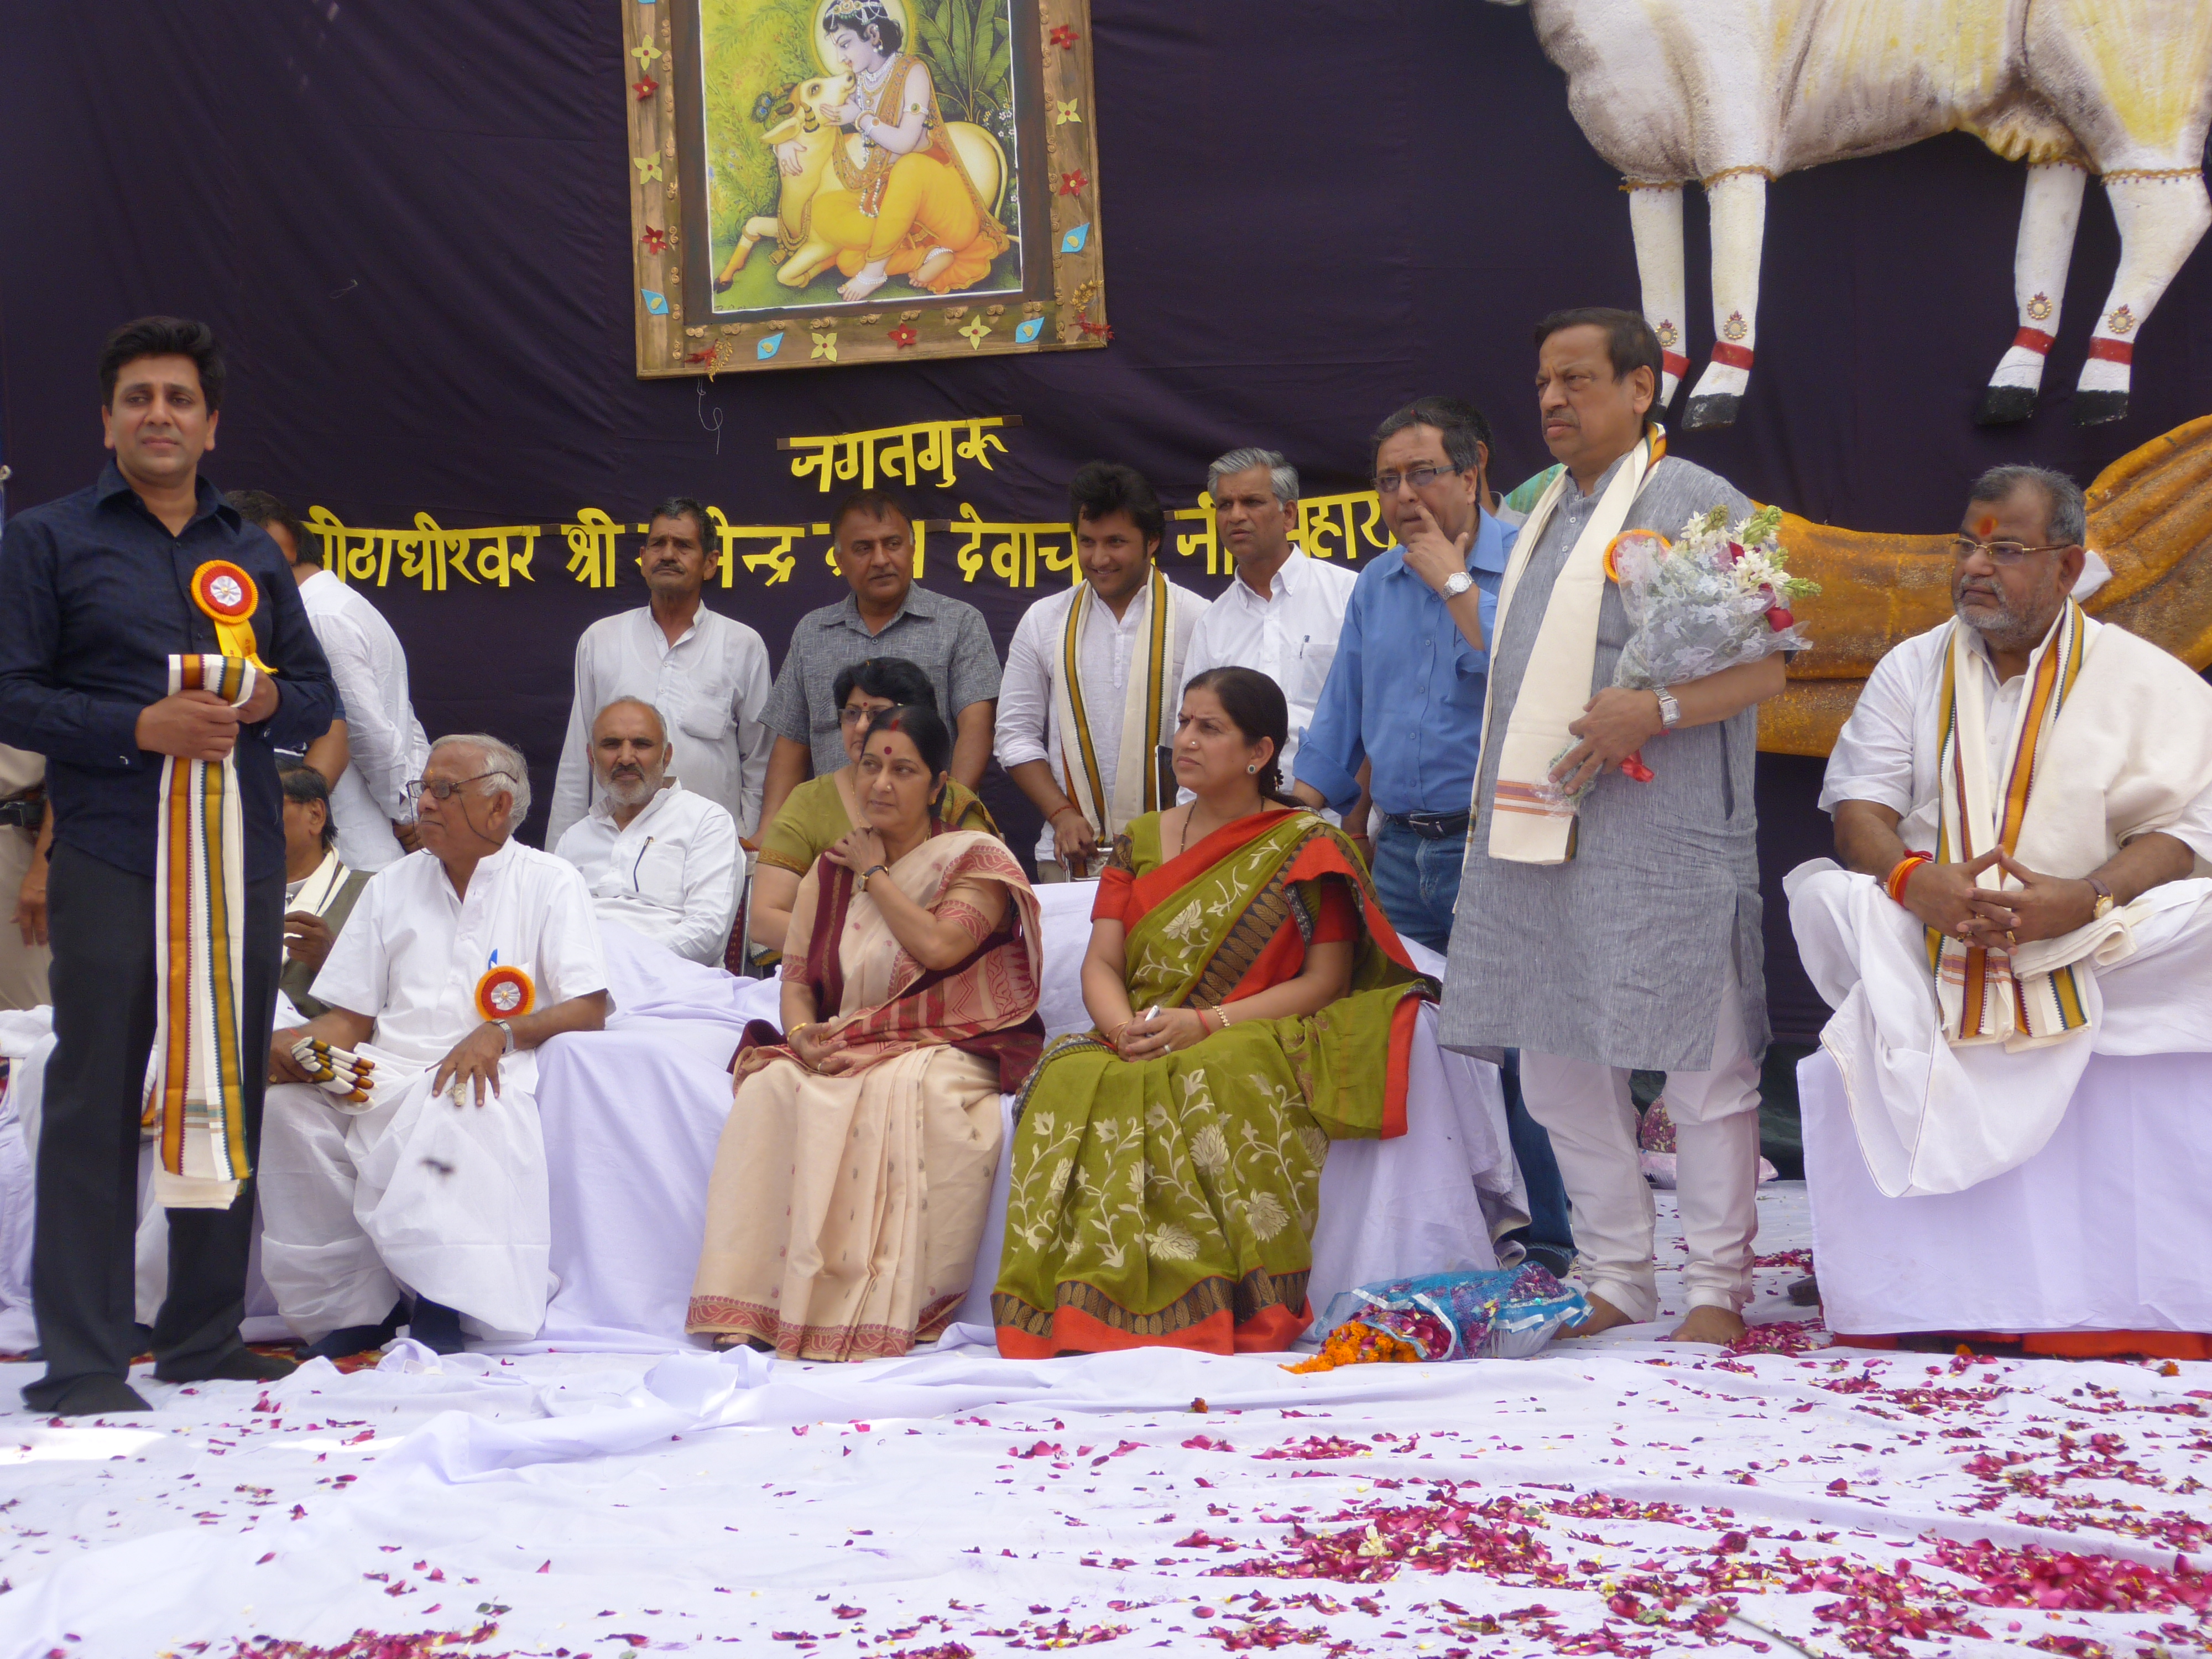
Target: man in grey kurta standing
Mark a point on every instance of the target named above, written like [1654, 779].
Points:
[1627, 937]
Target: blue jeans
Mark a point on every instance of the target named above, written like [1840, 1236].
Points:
[1418, 881]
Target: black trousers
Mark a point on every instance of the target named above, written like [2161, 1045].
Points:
[81, 1274]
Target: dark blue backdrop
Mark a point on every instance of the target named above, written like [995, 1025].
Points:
[408, 223]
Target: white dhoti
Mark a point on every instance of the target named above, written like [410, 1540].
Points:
[1934, 1115]
[412, 1195]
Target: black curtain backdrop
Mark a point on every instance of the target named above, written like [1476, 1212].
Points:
[409, 223]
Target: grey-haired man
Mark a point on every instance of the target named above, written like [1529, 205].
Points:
[456, 963]
[1282, 613]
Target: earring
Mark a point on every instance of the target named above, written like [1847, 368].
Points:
[1252, 770]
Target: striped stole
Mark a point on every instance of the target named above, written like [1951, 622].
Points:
[1146, 709]
[1982, 999]
[193, 1077]
[1530, 823]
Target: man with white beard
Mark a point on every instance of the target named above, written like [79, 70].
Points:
[659, 858]
[423, 1200]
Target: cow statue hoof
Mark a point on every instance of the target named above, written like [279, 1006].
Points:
[722, 284]
[1710, 409]
[2096, 408]
[2005, 405]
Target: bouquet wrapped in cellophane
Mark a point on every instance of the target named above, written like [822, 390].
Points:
[1504, 1313]
[1714, 598]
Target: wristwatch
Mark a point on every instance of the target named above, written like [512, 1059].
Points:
[508, 1030]
[1670, 712]
[2104, 905]
[873, 869]
[1458, 583]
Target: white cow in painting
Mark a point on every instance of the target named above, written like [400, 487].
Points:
[1736, 93]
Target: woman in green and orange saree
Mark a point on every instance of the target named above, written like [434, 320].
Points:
[1253, 1004]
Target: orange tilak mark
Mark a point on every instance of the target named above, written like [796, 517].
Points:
[1983, 525]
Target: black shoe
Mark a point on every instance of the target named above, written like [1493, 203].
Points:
[91, 1396]
[435, 1326]
[351, 1339]
[242, 1366]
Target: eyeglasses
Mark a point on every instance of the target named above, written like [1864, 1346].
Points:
[2007, 553]
[861, 716]
[442, 789]
[1386, 484]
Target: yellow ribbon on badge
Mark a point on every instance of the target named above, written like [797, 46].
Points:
[227, 596]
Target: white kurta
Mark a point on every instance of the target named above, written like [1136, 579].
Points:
[384, 739]
[711, 688]
[446, 1200]
[1935, 1115]
[671, 873]
[1028, 727]
[1290, 635]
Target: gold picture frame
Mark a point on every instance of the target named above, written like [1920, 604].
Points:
[771, 230]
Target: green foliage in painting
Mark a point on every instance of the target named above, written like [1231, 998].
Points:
[966, 44]
[753, 52]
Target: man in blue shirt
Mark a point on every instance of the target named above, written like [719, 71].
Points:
[1404, 698]
[96, 597]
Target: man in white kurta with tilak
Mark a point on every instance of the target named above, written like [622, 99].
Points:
[2023, 808]
[426, 1204]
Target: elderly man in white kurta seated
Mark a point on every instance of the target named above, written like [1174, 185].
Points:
[419, 1196]
[2023, 799]
[660, 859]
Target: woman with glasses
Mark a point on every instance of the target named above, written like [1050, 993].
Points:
[822, 810]
[853, 1177]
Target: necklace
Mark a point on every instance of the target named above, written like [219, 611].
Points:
[1182, 846]
[872, 80]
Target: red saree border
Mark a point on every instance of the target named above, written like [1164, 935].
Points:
[1324, 854]
[2056, 1344]
[1271, 1330]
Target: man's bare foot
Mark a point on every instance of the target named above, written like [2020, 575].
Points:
[1602, 1317]
[871, 278]
[1718, 1326]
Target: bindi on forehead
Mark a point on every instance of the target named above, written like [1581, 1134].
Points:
[1984, 526]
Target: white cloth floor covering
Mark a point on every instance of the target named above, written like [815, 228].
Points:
[2105, 1228]
[952, 1501]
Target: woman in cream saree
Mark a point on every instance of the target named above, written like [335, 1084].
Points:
[853, 1175]
[1166, 1168]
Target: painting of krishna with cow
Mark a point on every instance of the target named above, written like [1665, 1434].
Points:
[860, 150]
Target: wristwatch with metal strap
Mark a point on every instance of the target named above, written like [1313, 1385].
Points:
[1458, 583]
[1670, 712]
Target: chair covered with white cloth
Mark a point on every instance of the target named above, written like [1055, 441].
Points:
[632, 1115]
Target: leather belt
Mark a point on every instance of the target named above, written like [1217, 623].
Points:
[1430, 826]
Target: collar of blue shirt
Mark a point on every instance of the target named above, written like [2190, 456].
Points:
[113, 486]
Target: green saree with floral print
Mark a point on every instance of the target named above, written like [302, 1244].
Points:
[1171, 1201]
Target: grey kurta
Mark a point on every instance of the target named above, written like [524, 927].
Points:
[1615, 957]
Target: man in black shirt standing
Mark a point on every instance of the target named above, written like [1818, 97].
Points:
[96, 597]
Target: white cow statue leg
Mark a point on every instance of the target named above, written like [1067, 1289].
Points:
[2161, 215]
[1654, 214]
[2047, 221]
[1736, 198]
